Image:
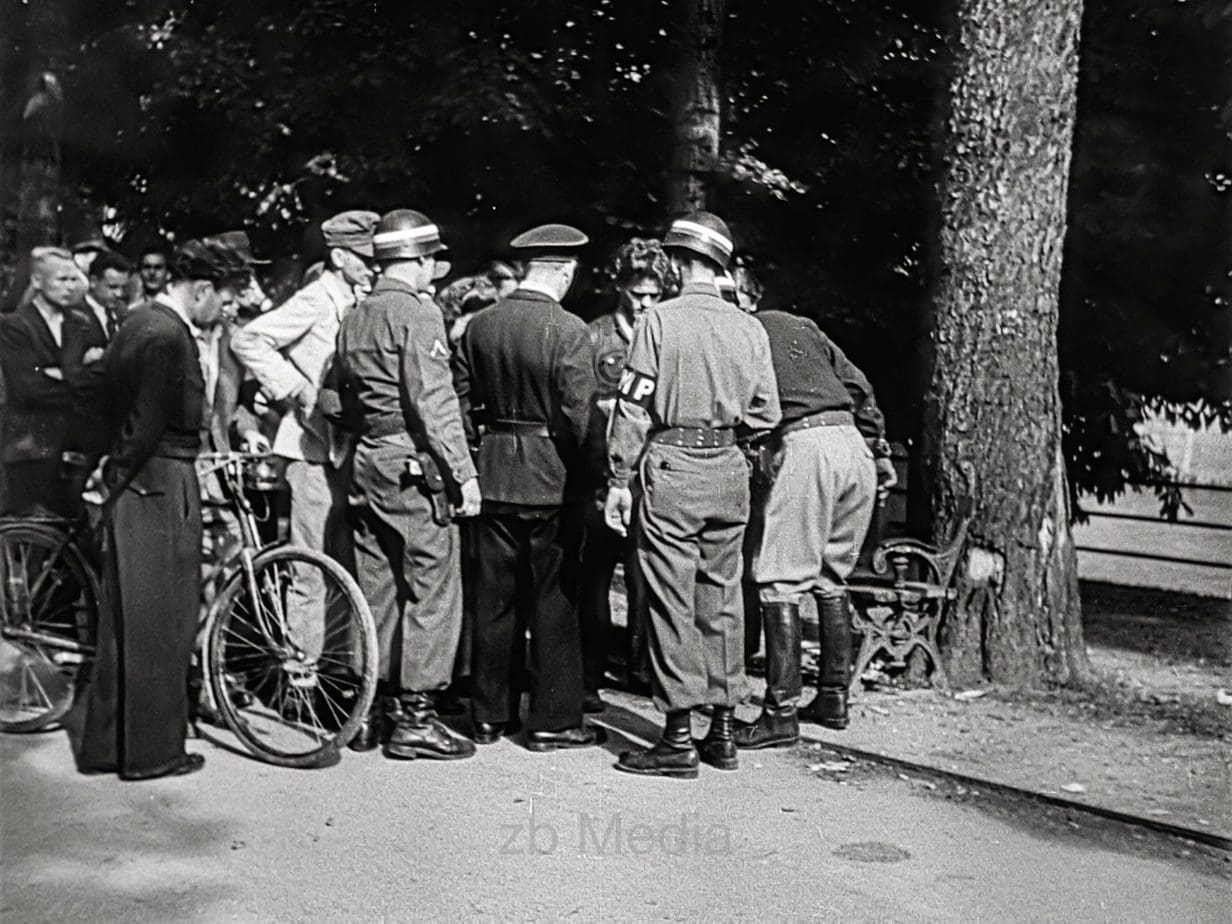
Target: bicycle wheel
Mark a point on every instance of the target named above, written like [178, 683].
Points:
[284, 710]
[49, 603]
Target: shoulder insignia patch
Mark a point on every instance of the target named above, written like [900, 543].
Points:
[439, 350]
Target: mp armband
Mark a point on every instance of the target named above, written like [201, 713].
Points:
[636, 388]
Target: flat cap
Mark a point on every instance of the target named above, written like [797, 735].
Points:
[213, 260]
[351, 230]
[239, 242]
[546, 240]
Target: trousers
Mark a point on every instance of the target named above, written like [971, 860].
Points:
[409, 567]
[601, 551]
[691, 521]
[136, 707]
[527, 579]
[816, 514]
[318, 521]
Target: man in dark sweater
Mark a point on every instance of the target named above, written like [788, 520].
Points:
[827, 462]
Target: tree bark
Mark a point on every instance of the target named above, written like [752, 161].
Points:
[700, 111]
[993, 394]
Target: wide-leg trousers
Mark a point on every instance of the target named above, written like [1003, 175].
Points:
[136, 711]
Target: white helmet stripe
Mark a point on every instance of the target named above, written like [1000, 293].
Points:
[406, 234]
[693, 229]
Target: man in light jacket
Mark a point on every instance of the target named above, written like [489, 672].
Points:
[289, 351]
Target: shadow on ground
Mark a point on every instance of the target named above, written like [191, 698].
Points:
[63, 847]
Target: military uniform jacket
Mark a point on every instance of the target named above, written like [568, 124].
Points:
[696, 361]
[392, 370]
[524, 371]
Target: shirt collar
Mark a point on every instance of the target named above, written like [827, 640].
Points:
[530, 285]
[52, 318]
[337, 289]
[700, 288]
[162, 298]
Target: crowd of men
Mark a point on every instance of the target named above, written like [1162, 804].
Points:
[480, 458]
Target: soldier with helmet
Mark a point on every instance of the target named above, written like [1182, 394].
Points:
[699, 372]
[525, 376]
[412, 470]
[289, 351]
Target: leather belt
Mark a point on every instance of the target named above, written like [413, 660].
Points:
[520, 427]
[820, 419]
[385, 426]
[696, 437]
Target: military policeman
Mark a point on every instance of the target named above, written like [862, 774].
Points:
[699, 370]
[642, 275]
[814, 519]
[524, 373]
[412, 468]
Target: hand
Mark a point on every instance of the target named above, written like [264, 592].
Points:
[53, 372]
[472, 499]
[886, 478]
[93, 355]
[95, 490]
[305, 400]
[254, 441]
[618, 510]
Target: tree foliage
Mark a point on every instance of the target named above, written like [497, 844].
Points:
[183, 117]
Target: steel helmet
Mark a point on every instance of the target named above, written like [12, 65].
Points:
[704, 234]
[405, 234]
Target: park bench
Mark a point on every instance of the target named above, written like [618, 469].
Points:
[899, 602]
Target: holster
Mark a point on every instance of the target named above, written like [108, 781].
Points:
[765, 458]
[435, 488]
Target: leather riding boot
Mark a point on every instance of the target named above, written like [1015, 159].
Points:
[674, 755]
[829, 709]
[778, 725]
[718, 748]
[419, 733]
[375, 729]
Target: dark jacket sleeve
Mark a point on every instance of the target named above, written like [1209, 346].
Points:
[464, 386]
[77, 337]
[160, 362]
[27, 386]
[575, 379]
[869, 419]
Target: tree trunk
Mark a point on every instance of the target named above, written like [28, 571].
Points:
[993, 394]
[698, 117]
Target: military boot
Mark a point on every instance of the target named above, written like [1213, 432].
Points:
[778, 726]
[378, 724]
[829, 708]
[718, 749]
[674, 755]
[419, 733]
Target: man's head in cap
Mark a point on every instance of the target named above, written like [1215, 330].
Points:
[406, 245]
[348, 247]
[552, 254]
[252, 300]
[700, 246]
[206, 278]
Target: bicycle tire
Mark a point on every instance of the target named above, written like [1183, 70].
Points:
[65, 613]
[245, 659]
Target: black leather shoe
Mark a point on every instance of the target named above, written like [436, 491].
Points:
[419, 733]
[592, 703]
[583, 736]
[778, 728]
[375, 729]
[491, 732]
[188, 763]
[718, 748]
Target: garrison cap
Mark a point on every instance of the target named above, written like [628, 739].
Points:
[351, 230]
[550, 241]
[211, 260]
[237, 241]
[405, 234]
[703, 234]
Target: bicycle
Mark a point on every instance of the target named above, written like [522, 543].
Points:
[284, 706]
